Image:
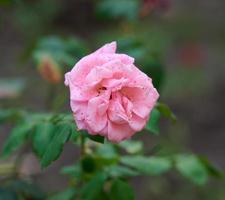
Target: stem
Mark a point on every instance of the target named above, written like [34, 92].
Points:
[50, 96]
[7, 169]
[82, 154]
[82, 145]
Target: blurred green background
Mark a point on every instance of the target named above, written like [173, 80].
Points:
[180, 44]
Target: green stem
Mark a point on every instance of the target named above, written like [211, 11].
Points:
[82, 145]
[7, 169]
[50, 96]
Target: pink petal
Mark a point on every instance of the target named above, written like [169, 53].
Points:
[97, 120]
[116, 112]
[79, 109]
[97, 74]
[141, 110]
[119, 132]
[151, 98]
[115, 84]
[81, 125]
[86, 64]
[128, 106]
[137, 123]
[107, 48]
[82, 93]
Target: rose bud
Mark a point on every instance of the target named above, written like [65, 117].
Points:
[49, 69]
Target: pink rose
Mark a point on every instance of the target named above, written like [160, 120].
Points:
[109, 95]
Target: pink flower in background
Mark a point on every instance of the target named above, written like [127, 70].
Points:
[109, 95]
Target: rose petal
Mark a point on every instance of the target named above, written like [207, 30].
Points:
[82, 94]
[79, 108]
[107, 48]
[137, 123]
[141, 110]
[95, 119]
[119, 132]
[97, 74]
[116, 112]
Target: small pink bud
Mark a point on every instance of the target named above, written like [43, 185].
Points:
[49, 70]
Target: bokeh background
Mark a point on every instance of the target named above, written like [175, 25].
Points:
[180, 44]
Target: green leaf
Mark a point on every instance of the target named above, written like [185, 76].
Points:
[61, 135]
[17, 138]
[93, 188]
[73, 171]
[118, 8]
[153, 122]
[95, 138]
[102, 162]
[132, 46]
[192, 168]
[148, 165]
[88, 164]
[64, 51]
[132, 147]
[42, 137]
[68, 194]
[10, 115]
[154, 68]
[107, 150]
[166, 112]
[121, 190]
[121, 171]
[212, 170]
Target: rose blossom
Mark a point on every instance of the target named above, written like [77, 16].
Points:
[109, 95]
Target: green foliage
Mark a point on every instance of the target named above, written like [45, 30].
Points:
[153, 122]
[41, 137]
[68, 194]
[16, 139]
[114, 9]
[55, 146]
[118, 171]
[19, 189]
[99, 172]
[133, 47]
[166, 112]
[93, 188]
[26, 189]
[212, 170]
[34, 16]
[48, 134]
[154, 68]
[121, 190]
[88, 164]
[192, 168]
[132, 147]
[107, 150]
[148, 165]
[64, 51]
[10, 115]
[96, 138]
